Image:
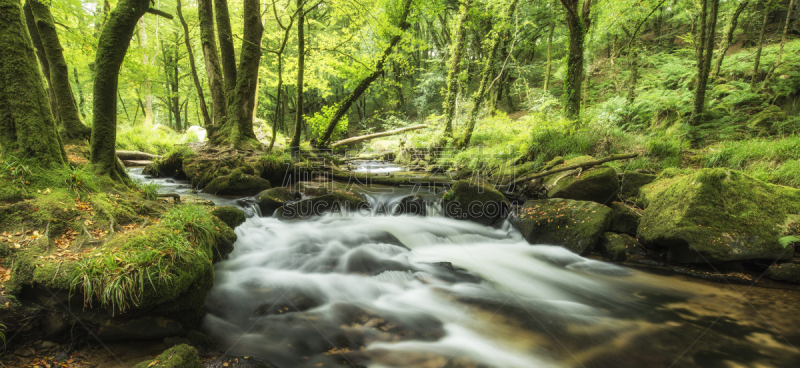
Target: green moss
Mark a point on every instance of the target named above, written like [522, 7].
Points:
[764, 120]
[615, 246]
[632, 181]
[598, 184]
[171, 164]
[237, 183]
[624, 220]
[717, 215]
[230, 215]
[272, 199]
[479, 203]
[317, 206]
[180, 356]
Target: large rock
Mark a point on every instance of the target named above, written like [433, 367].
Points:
[411, 205]
[624, 220]
[336, 201]
[788, 272]
[237, 183]
[719, 215]
[479, 203]
[271, 199]
[616, 246]
[575, 225]
[597, 184]
[181, 356]
[170, 165]
[632, 181]
[230, 215]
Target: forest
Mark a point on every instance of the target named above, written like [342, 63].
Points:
[199, 175]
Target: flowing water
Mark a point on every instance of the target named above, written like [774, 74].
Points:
[378, 290]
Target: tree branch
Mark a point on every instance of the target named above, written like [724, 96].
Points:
[572, 167]
[160, 13]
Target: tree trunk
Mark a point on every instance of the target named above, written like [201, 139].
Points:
[365, 83]
[726, 43]
[708, 23]
[760, 45]
[783, 43]
[633, 55]
[111, 48]
[548, 68]
[199, 87]
[301, 52]
[578, 26]
[238, 129]
[227, 53]
[148, 88]
[27, 128]
[455, 71]
[73, 128]
[280, 106]
[81, 99]
[175, 93]
[216, 84]
[499, 33]
[42, 56]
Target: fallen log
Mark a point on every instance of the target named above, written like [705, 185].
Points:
[572, 167]
[136, 155]
[375, 135]
[129, 163]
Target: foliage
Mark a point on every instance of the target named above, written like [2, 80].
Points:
[319, 122]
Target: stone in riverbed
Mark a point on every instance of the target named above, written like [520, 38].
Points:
[230, 215]
[479, 203]
[181, 356]
[718, 215]
[575, 225]
[272, 199]
[336, 201]
[597, 184]
[615, 246]
[411, 205]
[237, 183]
[624, 220]
[789, 272]
[632, 181]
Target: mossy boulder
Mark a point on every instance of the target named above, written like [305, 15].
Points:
[237, 183]
[271, 199]
[411, 205]
[615, 246]
[180, 356]
[317, 206]
[624, 220]
[230, 215]
[575, 225]
[719, 215]
[632, 181]
[479, 203]
[170, 165]
[597, 184]
[766, 118]
[788, 272]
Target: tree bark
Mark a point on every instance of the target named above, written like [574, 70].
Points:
[227, 53]
[578, 26]
[726, 43]
[301, 52]
[760, 45]
[216, 83]
[45, 65]
[111, 49]
[81, 99]
[238, 129]
[148, 87]
[280, 107]
[708, 24]
[455, 71]
[73, 128]
[376, 135]
[548, 68]
[27, 128]
[365, 83]
[199, 87]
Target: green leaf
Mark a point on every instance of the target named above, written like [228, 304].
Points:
[787, 240]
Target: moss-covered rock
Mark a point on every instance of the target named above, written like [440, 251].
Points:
[765, 119]
[230, 215]
[597, 184]
[788, 272]
[718, 215]
[180, 356]
[237, 183]
[272, 199]
[336, 201]
[411, 205]
[624, 220]
[575, 225]
[632, 181]
[615, 246]
[479, 203]
[171, 165]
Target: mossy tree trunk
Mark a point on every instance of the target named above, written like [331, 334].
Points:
[705, 38]
[227, 52]
[216, 83]
[578, 22]
[39, 47]
[499, 33]
[111, 49]
[238, 128]
[726, 43]
[454, 74]
[362, 86]
[198, 86]
[27, 126]
[548, 67]
[761, 36]
[301, 53]
[72, 126]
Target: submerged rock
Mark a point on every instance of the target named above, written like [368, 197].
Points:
[575, 225]
[718, 215]
[597, 184]
[479, 203]
[272, 199]
[411, 205]
[230, 215]
[181, 356]
[237, 183]
[336, 201]
[624, 220]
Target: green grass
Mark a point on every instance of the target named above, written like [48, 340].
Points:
[155, 139]
[773, 160]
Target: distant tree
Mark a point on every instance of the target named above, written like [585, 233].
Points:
[707, 24]
[578, 22]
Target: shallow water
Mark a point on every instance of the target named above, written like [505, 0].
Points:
[406, 291]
